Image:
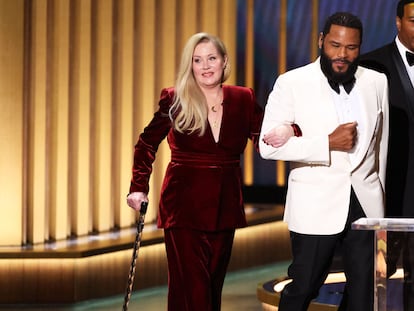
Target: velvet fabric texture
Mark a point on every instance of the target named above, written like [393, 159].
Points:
[199, 260]
[203, 181]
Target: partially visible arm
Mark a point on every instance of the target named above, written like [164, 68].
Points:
[278, 136]
[343, 138]
[280, 114]
[147, 145]
[256, 118]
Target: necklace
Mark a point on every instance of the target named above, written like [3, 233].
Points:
[215, 123]
[213, 108]
[217, 101]
[215, 115]
[216, 111]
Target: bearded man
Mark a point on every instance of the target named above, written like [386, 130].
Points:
[337, 165]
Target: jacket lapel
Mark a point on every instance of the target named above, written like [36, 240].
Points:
[404, 78]
[370, 113]
[330, 117]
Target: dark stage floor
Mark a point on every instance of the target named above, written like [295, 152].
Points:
[239, 294]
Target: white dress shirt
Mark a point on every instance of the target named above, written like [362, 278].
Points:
[348, 109]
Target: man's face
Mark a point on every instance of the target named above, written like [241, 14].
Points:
[340, 51]
[405, 26]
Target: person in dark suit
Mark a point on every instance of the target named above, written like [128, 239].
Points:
[207, 125]
[396, 60]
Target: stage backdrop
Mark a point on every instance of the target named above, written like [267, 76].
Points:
[80, 79]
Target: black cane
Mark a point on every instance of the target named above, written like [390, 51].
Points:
[140, 226]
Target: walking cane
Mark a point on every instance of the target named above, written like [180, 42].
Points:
[140, 226]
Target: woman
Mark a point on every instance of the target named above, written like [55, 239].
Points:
[207, 125]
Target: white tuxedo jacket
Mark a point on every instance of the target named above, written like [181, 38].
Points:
[319, 183]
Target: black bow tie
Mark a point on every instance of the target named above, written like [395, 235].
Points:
[347, 85]
[410, 58]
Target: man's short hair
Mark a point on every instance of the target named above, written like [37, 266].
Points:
[400, 7]
[343, 19]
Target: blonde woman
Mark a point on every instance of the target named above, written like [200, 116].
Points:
[207, 125]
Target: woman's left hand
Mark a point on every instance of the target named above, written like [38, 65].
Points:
[278, 136]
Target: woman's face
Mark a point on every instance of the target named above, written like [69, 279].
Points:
[208, 65]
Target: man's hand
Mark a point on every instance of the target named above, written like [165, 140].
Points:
[278, 136]
[134, 200]
[343, 138]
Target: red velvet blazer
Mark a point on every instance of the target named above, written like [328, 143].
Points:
[203, 181]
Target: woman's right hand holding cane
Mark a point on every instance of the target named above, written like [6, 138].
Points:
[134, 200]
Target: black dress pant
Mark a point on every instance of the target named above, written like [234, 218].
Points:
[312, 258]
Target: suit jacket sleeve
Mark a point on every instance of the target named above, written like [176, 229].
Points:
[148, 142]
[282, 108]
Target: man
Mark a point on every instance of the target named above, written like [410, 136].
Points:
[337, 166]
[396, 60]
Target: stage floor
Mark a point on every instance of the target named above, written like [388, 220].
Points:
[330, 295]
[239, 294]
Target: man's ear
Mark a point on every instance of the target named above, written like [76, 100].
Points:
[320, 41]
[398, 23]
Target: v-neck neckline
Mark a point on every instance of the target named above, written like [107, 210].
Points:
[221, 121]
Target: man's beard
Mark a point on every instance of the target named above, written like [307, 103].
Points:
[338, 77]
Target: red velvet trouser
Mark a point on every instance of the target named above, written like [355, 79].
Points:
[197, 265]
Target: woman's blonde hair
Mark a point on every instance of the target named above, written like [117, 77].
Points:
[189, 109]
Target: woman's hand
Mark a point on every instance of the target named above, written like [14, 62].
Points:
[278, 136]
[134, 200]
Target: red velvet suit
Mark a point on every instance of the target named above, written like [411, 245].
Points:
[201, 200]
[202, 184]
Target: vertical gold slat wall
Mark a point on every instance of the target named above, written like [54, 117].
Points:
[145, 92]
[280, 165]
[80, 117]
[188, 16]
[123, 109]
[315, 30]
[37, 228]
[79, 81]
[101, 107]
[165, 70]
[11, 120]
[249, 81]
[59, 162]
